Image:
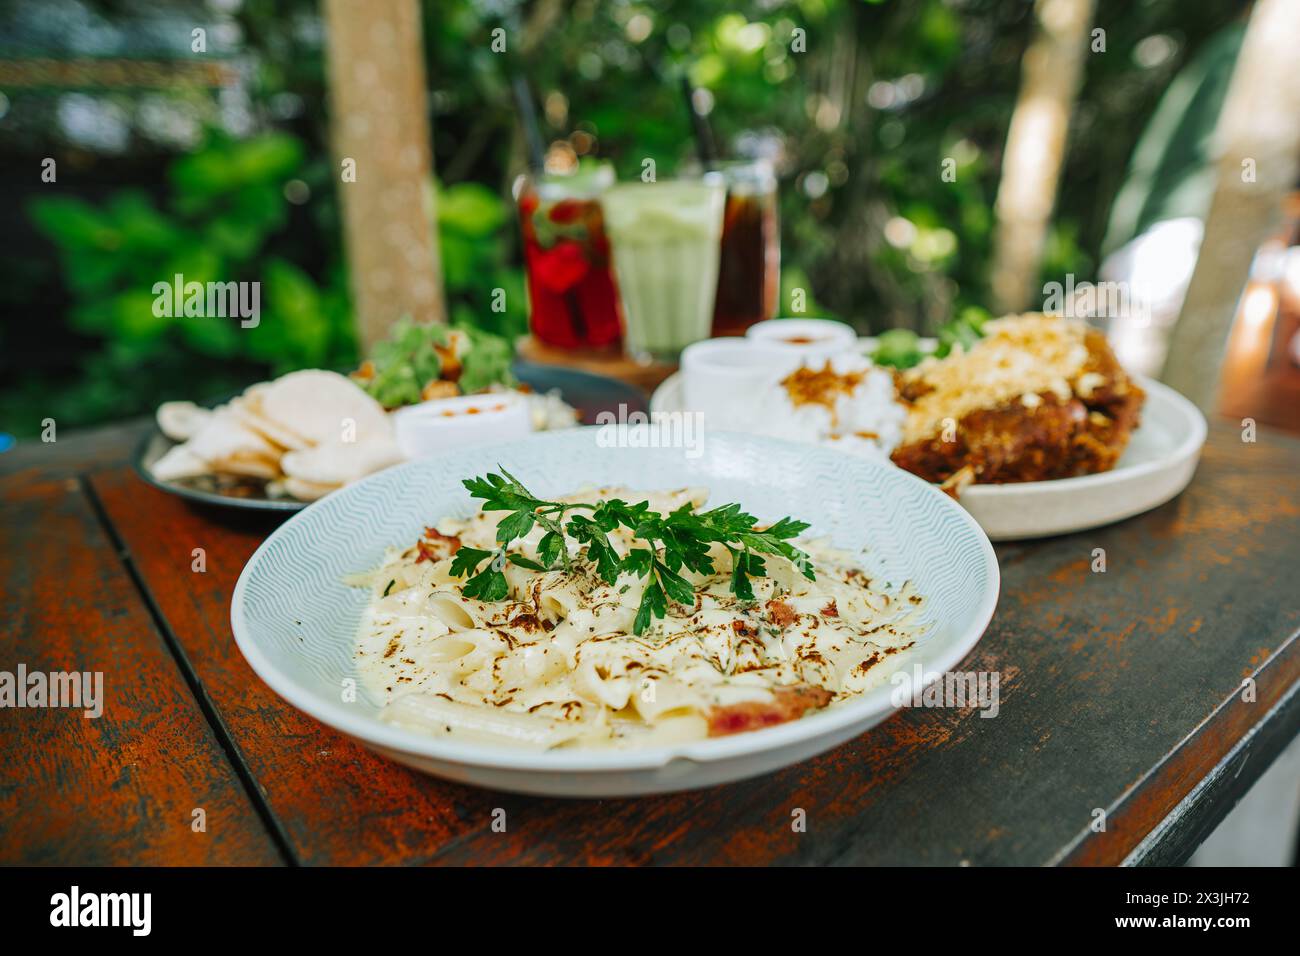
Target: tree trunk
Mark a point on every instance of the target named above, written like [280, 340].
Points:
[1259, 134]
[1050, 76]
[383, 155]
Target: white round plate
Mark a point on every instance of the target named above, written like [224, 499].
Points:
[296, 621]
[1157, 465]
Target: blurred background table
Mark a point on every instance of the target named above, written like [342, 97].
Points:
[1121, 692]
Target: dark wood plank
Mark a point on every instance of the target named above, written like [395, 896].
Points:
[120, 788]
[1173, 840]
[1106, 679]
[73, 452]
[335, 801]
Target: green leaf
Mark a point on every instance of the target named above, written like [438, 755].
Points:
[211, 335]
[488, 585]
[639, 561]
[683, 537]
[599, 551]
[293, 301]
[134, 319]
[676, 586]
[487, 362]
[471, 209]
[515, 525]
[740, 585]
[787, 528]
[899, 348]
[142, 229]
[458, 256]
[653, 605]
[467, 560]
[404, 363]
[548, 549]
[74, 223]
[225, 165]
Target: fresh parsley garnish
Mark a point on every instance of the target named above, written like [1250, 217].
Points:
[487, 585]
[667, 544]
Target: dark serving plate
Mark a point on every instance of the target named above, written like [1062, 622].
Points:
[589, 394]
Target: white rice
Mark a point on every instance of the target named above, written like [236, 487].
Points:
[867, 421]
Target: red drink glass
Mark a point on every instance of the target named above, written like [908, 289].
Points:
[572, 302]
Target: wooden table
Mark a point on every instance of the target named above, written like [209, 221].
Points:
[1121, 691]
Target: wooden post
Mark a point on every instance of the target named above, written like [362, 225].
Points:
[383, 156]
[1259, 135]
[1031, 166]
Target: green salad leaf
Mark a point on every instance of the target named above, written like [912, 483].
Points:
[901, 348]
[487, 362]
[408, 360]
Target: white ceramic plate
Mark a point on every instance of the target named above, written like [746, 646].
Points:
[1156, 466]
[295, 621]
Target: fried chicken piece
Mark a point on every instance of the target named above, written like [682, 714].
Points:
[1036, 436]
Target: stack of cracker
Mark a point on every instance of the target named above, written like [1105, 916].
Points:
[306, 434]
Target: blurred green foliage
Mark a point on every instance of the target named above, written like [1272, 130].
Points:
[225, 206]
[225, 203]
[475, 237]
[860, 102]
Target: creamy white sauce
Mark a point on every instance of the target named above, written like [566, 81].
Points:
[557, 664]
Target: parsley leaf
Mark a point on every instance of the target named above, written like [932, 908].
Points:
[515, 525]
[548, 549]
[466, 560]
[672, 544]
[653, 605]
[489, 585]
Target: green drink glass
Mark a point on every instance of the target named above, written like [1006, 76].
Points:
[665, 239]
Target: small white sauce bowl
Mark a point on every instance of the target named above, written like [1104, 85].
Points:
[446, 423]
[724, 377]
[803, 339]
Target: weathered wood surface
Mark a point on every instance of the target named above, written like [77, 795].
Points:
[73, 453]
[120, 788]
[1120, 692]
[335, 801]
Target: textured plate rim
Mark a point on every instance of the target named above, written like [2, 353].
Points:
[370, 730]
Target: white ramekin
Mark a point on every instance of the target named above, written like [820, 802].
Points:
[724, 377]
[445, 423]
[804, 339]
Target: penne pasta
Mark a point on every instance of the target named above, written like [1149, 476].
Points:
[559, 659]
[453, 610]
[436, 716]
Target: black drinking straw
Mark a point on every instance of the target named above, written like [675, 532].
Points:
[700, 127]
[528, 118]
